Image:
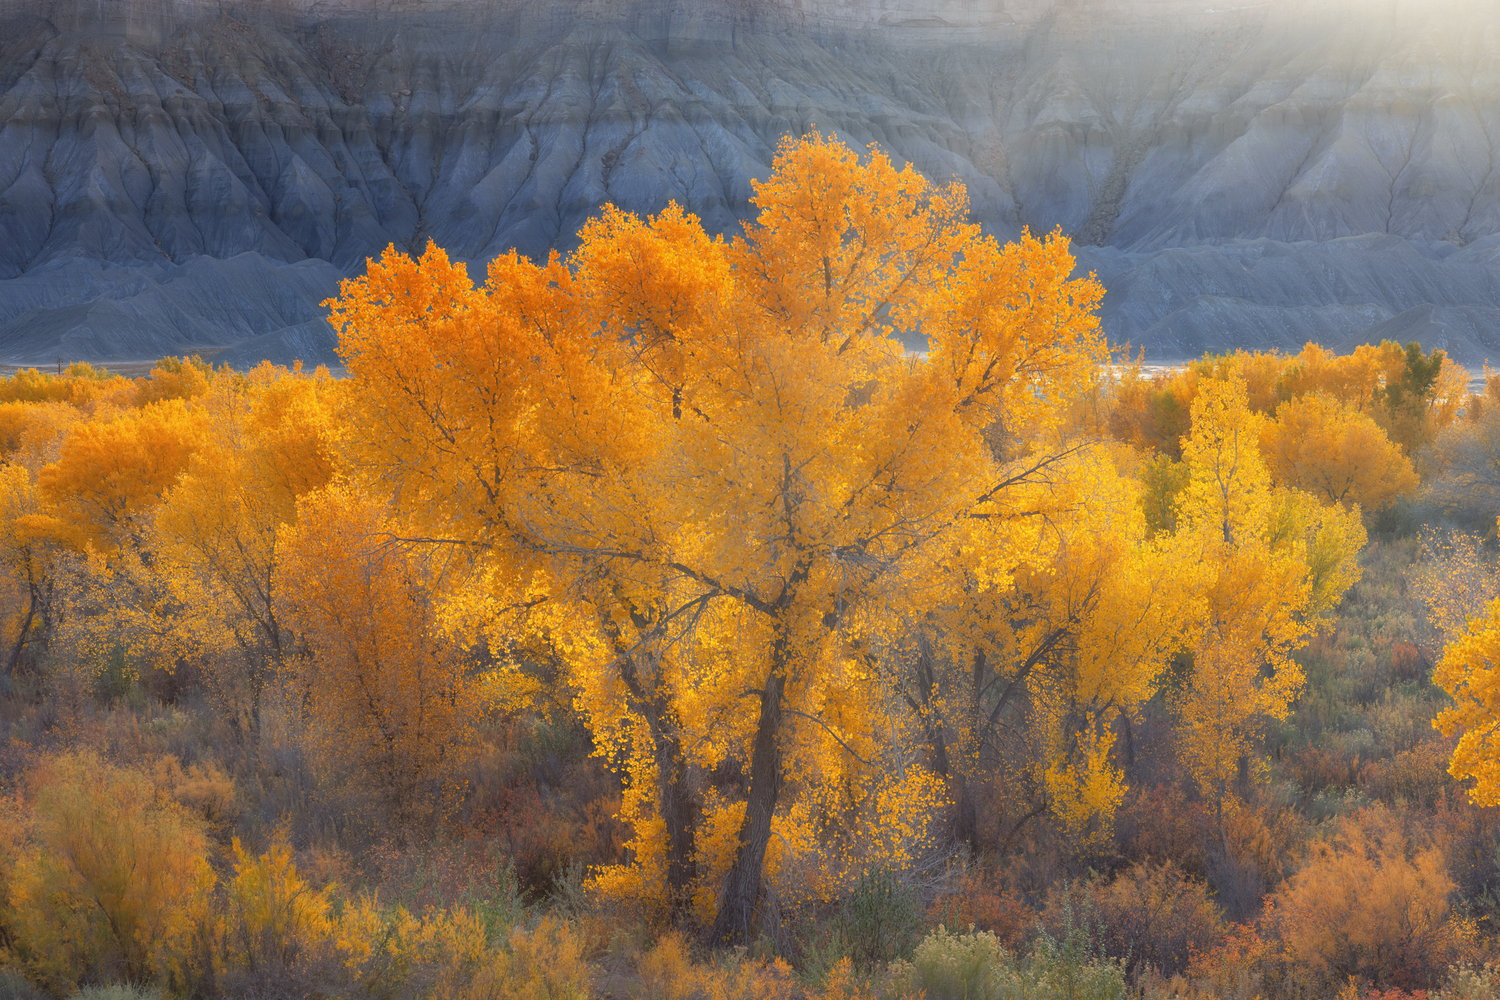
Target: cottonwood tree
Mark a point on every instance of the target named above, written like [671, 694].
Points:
[1271, 565]
[704, 467]
[1336, 453]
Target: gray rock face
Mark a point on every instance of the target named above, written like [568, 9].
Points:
[195, 175]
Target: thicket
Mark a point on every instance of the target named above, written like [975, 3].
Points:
[653, 623]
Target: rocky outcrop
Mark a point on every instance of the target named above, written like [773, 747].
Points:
[195, 175]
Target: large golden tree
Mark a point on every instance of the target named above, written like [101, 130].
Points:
[712, 484]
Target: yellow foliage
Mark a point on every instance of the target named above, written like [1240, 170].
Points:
[110, 472]
[393, 703]
[214, 537]
[1337, 453]
[113, 882]
[1456, 582]
[80, 385]
[26, 564]
[271, 914]
[203, 787]
[1470, 672]
[1270, 564]
[30, 431]
[729, 490]
[175, 378]
[668, 971]
[541, 963]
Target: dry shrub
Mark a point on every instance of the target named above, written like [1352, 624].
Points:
[1251, 856]
[1369, 903]
[203, 787]
[544, 801]
[541, 840]
[391, 952]
[113, 882]
[1417, 775]
[668, 971]
[473, 874]
[1161, 823]
[1318, 768]
[1470, 839]
[282, 938]
[272, 916]
[1239, 967]
[1408, 662]
[977, 902]
[1155, 916]
[542, 963]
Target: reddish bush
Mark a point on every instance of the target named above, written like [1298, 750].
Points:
[1161, 823]
[1408, 662]
[1317, 768]
[979, 902]
[1417, 775]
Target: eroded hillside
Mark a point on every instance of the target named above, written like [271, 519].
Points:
[192, 175]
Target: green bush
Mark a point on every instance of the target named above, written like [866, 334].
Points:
[948, 966]
[1065, 969]
[1468, 982]
[881, 918]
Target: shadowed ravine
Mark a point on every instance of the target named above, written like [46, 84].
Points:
[179, 176]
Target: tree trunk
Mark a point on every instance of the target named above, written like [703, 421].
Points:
[965, 813]
[13, 665]
[965, 816]
[743, 884]
[680, 812]
[674, 794]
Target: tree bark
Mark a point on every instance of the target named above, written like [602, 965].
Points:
[680, 812]
[964, 816]
[679, 808]
[14, 662]
[742, 886]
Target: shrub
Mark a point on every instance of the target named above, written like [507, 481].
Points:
[1158, 822]
[1238, 968]
[948, 966]
[543, 963]
[1469, 982]
[272, 915]
[1368, 903]
[881, 918]
[114, 881]
[13, 986]
[203, 788]
[1418, 775]
[1251, 856]
[977, 903]
[118, 991]
[1065, 969]
[974, 966]
[478, 877]
[668, 972]
[1155, 916]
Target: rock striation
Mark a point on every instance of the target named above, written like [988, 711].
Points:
[196, 175]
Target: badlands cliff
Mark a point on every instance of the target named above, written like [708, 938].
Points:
[196, 175]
